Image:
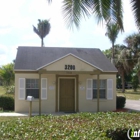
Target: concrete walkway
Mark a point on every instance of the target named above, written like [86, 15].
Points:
[133, 105]
[33, 114]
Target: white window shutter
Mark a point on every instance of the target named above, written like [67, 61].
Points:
[43, 88]
[21, 88]
[89, 95]
[109, 89]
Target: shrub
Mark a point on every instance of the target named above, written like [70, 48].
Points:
[120, 102]
[7, 102]
[117, 134]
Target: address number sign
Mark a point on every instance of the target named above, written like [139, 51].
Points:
[69, 67]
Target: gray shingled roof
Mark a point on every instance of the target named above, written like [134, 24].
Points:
[33, 58]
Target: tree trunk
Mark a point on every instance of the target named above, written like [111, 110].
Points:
[42, 43]
[112, 61]
[123, 82]
[139, 76]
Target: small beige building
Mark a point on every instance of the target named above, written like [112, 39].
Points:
[64, 80]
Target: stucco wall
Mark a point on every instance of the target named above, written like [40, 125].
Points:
[69, 60]
[48, 105]
[91, 105]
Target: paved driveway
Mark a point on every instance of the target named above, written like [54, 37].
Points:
[133, 104]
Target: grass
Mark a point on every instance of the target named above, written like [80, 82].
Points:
[2, 91]
[129, 94]
[8, 119]
[80, 126]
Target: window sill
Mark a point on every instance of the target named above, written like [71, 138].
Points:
[35, 100]
[102, 100]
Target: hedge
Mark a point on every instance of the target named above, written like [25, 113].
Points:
[120, 102]
[7, 102]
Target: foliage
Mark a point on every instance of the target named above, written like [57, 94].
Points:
[7, 102]
[2, 90]
[69, 127]
[43, 29]
[112, 33]
[135, 82]
[74, 11]
[7, 75]
[103, 10]
[10, 89]
[120, 102]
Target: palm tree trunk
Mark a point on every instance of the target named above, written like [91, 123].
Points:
[123, 82]
[139, 76]
[112, 53]
[42, 43]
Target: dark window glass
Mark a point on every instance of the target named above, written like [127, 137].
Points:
[102, 89]
[32, 88]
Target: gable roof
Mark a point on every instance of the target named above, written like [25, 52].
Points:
[34, 58]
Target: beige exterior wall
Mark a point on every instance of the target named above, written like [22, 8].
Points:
[91, 105]
[70, 60]
[48, 105]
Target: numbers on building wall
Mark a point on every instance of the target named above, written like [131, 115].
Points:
[69, 67]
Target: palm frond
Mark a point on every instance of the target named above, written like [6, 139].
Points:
[74, 10]
[36, 31]
[109, 11]
[136, 11]
[116, 13]
[49, 1]
[112, 32]
[43, 29]
[101, 9]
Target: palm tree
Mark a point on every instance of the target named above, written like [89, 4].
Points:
[74, 10]
[133, 43]
[112, 33]
[43, 29]
[123, 61]
[125, 64]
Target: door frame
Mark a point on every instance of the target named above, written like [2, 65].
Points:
[58, 77]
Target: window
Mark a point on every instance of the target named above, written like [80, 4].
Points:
[106, 89]
[102, 89]
[32, 88]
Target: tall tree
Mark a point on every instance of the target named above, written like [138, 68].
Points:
[118, 61]
[133, 43]
[43, 29]
[7, 74]
[125, 64]
[74, 10]
[112, 33]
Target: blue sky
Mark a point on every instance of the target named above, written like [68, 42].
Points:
[18, 16]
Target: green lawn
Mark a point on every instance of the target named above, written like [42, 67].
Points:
[2, 91]
[129, 94]
[8, 119]
[80, 126]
